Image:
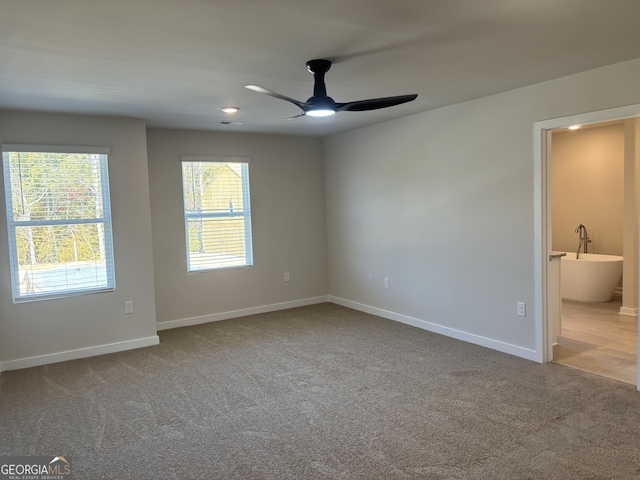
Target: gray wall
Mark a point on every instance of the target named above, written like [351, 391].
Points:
[288, 218]
[442, 203]
[439, 202]
[43, 331]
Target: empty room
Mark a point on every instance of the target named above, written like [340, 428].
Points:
[319, 240]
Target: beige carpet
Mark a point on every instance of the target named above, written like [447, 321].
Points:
[320, 392]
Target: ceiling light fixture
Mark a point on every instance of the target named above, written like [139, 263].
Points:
[574, 127]
[321, 112]
[230, 109]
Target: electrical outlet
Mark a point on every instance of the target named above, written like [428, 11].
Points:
[522, 309]
[287, 277]
[128, 306]
[370, 279]
[386, 283]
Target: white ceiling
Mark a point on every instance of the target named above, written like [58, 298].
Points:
[174, 63]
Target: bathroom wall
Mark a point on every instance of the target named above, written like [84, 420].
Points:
[631, 208]
[588, 187]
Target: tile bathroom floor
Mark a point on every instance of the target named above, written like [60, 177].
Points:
[597, 339]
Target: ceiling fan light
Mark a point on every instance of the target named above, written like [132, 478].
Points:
[321, 112]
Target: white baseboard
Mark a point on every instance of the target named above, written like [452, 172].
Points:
[154, 340]
[78, 353]
[515, 350]
[629, 311]
[216, 317]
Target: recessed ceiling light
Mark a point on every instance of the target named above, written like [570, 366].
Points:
[574, 127]
[230, 109]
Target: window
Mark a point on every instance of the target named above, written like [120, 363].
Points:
[59, 221]
[217, 212]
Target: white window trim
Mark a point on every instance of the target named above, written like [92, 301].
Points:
[247, 218]
[106, 221]
[23, 148]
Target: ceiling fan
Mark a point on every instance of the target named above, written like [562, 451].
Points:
[321, 105]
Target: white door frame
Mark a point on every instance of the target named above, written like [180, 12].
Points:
[542, 215]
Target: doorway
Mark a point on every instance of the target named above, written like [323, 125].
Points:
[591, 199]
[547, 300]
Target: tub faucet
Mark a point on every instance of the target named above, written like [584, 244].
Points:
[581, 230]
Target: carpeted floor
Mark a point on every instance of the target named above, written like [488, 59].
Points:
[320, 392]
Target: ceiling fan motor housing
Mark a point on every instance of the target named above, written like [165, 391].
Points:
[318, 68]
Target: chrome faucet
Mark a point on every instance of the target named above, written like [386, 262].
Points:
[581, 230]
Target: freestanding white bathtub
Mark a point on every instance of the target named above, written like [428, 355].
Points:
[591, 278]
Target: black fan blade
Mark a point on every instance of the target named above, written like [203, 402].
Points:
[374, 103]
[259, 89]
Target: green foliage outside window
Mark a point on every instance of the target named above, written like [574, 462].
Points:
[56, 186]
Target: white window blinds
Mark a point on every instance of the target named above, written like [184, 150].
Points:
[217, 211]
[59, 220]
